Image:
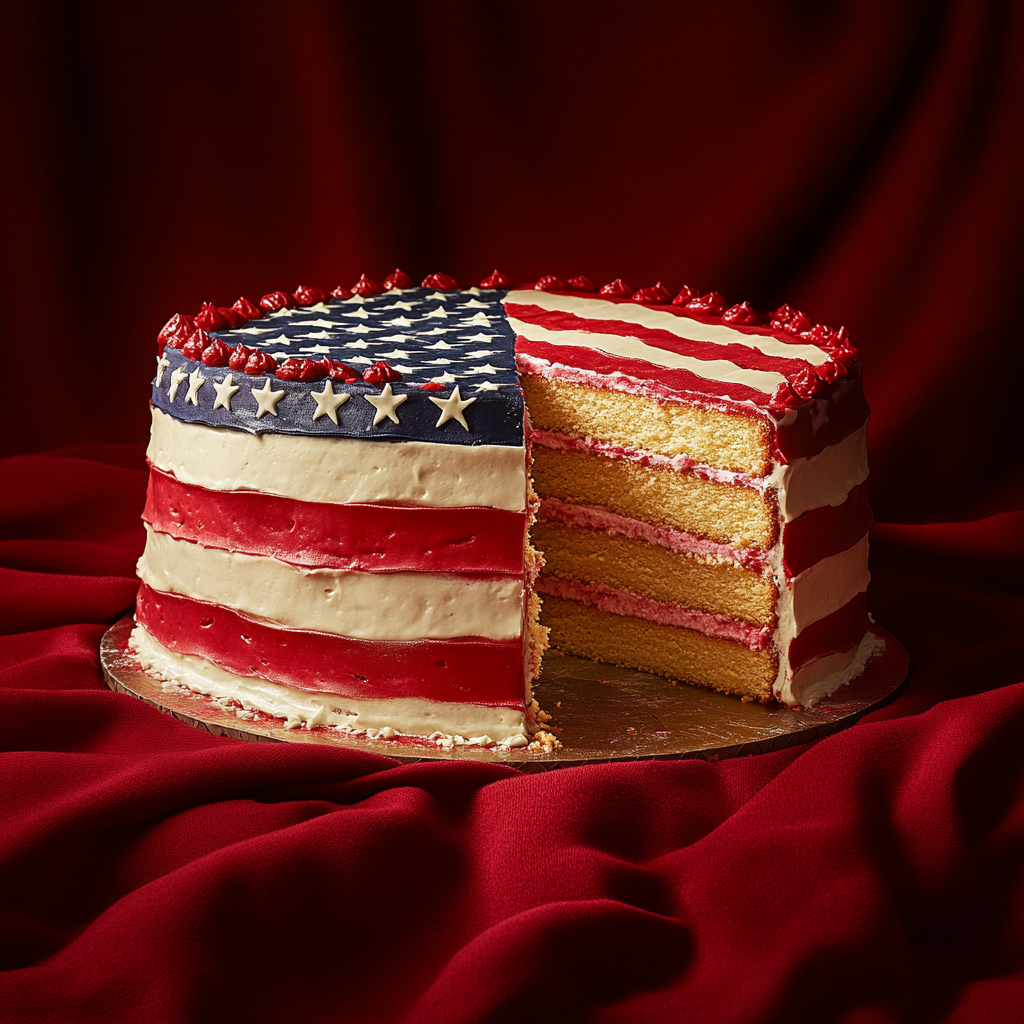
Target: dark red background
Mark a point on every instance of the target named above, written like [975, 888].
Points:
[862, 161]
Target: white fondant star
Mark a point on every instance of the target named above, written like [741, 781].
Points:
[407, 306]
[489, 385]
[438, 330]
[440, 296]
[440, 345]
[195, 381]
[360, 313]
[281, 339]
[353, 300]
[445, 378]
[385, 403]
[451, 408]
[255, 330]
[400, 321]
[482, 353]
[354, 344]
[473, 304]
[178, 377]
[319, 350]
[395, 354]
[318, 307]
[404, 369]
[487, 368]
[315, 335]
[478, 337]
[439, 362]
[358, 359]
[479, 318]
[267, 399]
[226, 390]
[315, 323]
[327, 401]
[162, 362]
[474, 290]
[436, 314]
[280, 356]
[362, 329]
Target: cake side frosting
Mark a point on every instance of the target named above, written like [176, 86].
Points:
[450, 723]
[332, 511]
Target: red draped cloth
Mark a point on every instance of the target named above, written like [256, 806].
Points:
[862, 161]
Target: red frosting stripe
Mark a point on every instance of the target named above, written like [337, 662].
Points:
[825, 531]
[745, 356]
[835, 633]
[352, 536]
[668, 381]
[466, 670]
[807, 435]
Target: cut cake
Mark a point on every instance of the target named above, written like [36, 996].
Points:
[342, 489]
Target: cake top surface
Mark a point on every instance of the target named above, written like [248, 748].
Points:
[438, 366]
[674, 352]
[438, 363]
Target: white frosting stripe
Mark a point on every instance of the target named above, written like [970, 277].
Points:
[633, 348]
[340, 470]
[828, 585]
[822, 479]
[656, 319]
[369, 606]
[818, 679]
[403, 715]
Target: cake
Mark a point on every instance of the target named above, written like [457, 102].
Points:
[347, 490]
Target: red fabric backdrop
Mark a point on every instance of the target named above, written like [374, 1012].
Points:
[860, 160]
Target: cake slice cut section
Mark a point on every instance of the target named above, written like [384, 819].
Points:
[631, 420]
[676, 456]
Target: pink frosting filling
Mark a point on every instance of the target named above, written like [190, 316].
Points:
[625, 602]
[593, 517]
[678, 463]
[803, 431]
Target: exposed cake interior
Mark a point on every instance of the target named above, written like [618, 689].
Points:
[690, 526]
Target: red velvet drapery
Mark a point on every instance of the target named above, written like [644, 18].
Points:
[859, 160]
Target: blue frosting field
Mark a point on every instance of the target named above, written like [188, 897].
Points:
[421, 333]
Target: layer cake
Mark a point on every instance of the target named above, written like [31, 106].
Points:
[342, 489]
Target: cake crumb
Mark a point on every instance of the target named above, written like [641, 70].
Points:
[545, 741]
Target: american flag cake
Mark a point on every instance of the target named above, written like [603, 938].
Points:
[346, 491]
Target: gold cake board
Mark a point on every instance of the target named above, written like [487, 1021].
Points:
[601, 713]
